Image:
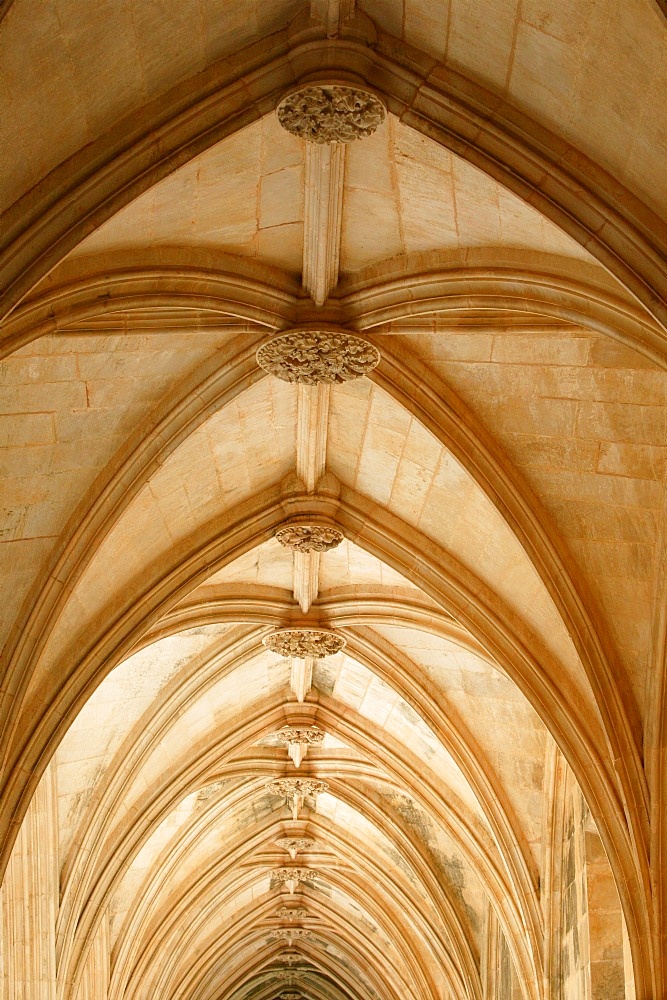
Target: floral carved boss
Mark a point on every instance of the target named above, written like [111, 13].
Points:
[302, 642]
[316, 357]
[330, 113]
[309, 537]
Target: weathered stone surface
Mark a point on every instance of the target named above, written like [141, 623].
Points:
[499, 479]
[304, 642]
[309, 537]
[331, 113]
[314, 357]
[291, 912]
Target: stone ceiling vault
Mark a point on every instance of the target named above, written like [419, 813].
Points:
[479, 518]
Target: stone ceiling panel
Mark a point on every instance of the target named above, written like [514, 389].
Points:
[406, 194]
[269, 564]
[68, 404]
[113, 709]
[453, 867]
[596, 74]
[382, 451]
[501, 721]
[585, 421]
[244, 196]
[350, 565]
[357, 688]
[224, 461]
[110, 58]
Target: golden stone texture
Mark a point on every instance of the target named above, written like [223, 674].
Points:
[475, 524]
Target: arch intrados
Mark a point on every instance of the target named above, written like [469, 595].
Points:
[318, 976]
[521, 154]
[114, 784]
[397, 834]
[219, 380]
[606, 699]
[465, 964]
[409, 948]
[127, 844]
[445, 416]
[393, 757]
[617, 727]
[382, 659]
[409, 944]
[345, 793]
[154, 727]
[259, 605]
[265, 980]
[395, 668]
[245, 923]
[211, 665]
[262, 988]
[238, 291]
[447, 440]
[437, 570]
[319, 962]
[588, 796]
[393, 761]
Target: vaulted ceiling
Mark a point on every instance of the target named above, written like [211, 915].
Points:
[498, 480]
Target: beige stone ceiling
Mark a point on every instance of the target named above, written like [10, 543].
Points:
[403, 195]
[500, 480]
[605, 63]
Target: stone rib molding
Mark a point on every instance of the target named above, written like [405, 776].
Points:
[298, 739]
[301, 676]
[108, 173]
[311, 456]
[306, 578]
[293, 995]
[312, 426]
[323, 214]
[331, 13]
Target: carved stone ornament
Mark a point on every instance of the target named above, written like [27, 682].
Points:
[316, 357]
[302, 642]
[289, 933]
[298, 739]
[297, 789]
[292, 912]
[286, 976]
[289, 874]
[290, 957]
[330, 113]
[291, 877]
[309, 735]
[309, 537]
[291, 995]
[298, 786]
[295, 844]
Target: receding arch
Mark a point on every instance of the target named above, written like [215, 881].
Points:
[466, 753]
[194, 283]
[521, 154]
[357, 522]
